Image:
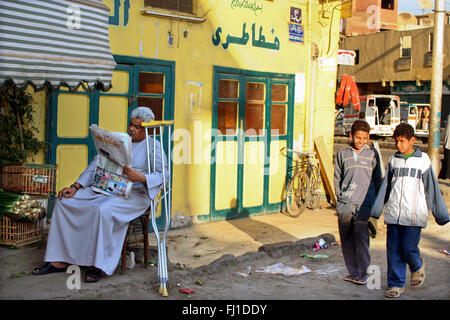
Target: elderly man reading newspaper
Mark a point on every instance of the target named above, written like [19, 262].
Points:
[88, 228]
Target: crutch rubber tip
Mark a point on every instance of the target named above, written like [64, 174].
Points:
[163, 291]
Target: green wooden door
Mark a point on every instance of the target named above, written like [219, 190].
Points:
[252, 120]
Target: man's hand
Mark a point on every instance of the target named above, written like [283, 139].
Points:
[67, 193]
[70, 191]
[133, 175]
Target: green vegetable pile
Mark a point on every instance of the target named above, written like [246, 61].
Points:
[20, 207]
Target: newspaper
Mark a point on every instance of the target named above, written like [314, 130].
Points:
[114, 153]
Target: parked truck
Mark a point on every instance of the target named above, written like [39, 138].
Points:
[417, 115]
[382, 112]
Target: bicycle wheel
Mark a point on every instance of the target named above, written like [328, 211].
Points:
[315, 183]
[297, 194]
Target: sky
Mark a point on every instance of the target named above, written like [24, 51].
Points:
[412, 6]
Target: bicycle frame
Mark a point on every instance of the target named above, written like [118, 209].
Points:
[308, 191]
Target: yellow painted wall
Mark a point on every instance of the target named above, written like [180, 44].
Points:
[195, 56]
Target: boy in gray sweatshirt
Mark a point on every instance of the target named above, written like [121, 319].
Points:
[357, 179]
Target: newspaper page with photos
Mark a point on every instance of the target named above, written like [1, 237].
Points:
[114, 153]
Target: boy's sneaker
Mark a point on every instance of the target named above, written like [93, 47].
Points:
[360, 280]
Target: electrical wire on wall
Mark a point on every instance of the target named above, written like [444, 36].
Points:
[327, 55]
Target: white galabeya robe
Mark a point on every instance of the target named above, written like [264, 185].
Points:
[89, 229]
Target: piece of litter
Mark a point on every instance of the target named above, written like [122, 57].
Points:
[245, 274]
[280, 268]
[321, 244]
[186, 290]
[314, 256]
[327, 271]
[444, 251]
[199, 282]
[180, 266]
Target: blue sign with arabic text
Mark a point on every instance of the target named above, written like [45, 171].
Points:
[296, 32]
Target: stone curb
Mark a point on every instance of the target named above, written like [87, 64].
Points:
[273, 250]
[276, 250]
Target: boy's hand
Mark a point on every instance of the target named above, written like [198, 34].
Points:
[373, 226]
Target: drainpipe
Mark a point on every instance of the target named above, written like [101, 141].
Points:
[434, 137]
[311, 103]
[312, 77]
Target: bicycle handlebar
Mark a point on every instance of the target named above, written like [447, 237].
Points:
[299, 153]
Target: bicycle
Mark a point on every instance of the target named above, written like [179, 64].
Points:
[303, 188]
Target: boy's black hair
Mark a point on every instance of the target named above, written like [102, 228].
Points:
[360, 125]
[404, 130]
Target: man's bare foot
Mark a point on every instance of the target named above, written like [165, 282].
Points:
[92, 274]
[59, 264]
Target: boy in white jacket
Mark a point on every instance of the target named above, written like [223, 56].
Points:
[408, 191]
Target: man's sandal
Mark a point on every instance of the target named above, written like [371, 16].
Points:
[394, 292]
[92, 274]
[46, 269]
[418, 277]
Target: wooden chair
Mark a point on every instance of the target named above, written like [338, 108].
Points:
[144, 218]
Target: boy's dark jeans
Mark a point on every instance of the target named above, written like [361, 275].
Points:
[402, 248]
[354, 234]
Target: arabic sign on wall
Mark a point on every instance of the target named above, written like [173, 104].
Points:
[295, 27]
[346, 57]
[296, 32]
[257, 40]
[246, 4]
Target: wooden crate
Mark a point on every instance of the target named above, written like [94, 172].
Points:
[20, 233]
[4, 164]
[39, 179]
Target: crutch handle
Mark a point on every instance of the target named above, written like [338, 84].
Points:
[157, 123]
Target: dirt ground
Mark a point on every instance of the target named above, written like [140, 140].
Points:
[217, 257]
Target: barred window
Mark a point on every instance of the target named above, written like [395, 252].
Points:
[178, 5]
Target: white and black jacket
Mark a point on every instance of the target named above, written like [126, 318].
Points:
[409, 190]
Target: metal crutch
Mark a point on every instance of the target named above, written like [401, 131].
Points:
[166, 196]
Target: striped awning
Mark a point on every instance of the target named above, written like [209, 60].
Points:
[57, 42]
